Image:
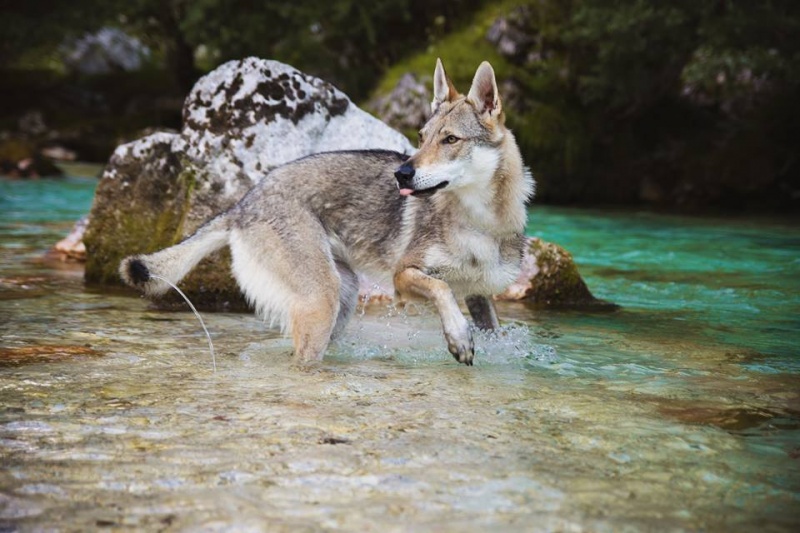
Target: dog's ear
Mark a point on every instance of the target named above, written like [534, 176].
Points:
[443, 89]
[483, 93]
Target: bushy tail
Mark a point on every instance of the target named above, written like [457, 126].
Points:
[175, 262]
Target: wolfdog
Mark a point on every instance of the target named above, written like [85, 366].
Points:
[447, 221]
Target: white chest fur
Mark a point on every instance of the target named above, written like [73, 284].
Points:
[471, 263]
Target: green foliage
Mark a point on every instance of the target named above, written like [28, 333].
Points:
[348, 42]
[31, 31]
[604, 95]
[748, 49]
[683, 95]
[626, 55]
[676, 101]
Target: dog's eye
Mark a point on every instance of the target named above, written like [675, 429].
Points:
[450, 139]
[421, 137]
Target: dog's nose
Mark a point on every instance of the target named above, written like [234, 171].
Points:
[404, 174]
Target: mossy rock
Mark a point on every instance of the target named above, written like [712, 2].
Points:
[550, 278]
[20, 157]
[159, 191]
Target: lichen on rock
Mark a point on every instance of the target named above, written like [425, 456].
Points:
[253, 115]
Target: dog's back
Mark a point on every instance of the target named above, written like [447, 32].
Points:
[352, 193]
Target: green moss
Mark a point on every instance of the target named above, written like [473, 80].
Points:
[133, 233]
[461, 52]
[154, 217]
[143, 224]
[558, 282]
[187, 179]
[15, 149]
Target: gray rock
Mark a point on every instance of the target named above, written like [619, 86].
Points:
[104, 51]
[32, 123]
[511, 35]
[407, 107]
[71, 248]
[550, 277]
[253, 115]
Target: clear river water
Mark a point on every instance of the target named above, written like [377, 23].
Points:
[680, 411]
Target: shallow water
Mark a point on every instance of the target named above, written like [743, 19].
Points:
[680, 411]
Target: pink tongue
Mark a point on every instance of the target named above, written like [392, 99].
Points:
[406, 192]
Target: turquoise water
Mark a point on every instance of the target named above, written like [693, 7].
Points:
[723, 282]
[38, 202]
[678, 411]
[726, 283]
[36, 214]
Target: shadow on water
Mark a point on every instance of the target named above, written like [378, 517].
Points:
[678, 411]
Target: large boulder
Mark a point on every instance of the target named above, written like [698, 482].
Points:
[107, 50]
[240, 121]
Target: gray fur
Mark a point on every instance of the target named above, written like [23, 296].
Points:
[299, 237]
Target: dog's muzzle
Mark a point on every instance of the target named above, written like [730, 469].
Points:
[405, 177]
[405, 182]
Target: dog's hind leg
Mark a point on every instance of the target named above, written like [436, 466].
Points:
[312, 320]
[348, 296]
[175, 262]
[289, 275]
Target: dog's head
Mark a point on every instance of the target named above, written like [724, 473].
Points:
[460, 144]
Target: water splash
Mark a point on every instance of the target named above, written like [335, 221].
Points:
[411, 332]
[513, 342]
[367, 295]
[205, 329]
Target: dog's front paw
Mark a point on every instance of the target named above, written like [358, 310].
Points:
[460, 344]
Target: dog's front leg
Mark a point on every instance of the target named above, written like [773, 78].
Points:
[412, 281]
[483, 312]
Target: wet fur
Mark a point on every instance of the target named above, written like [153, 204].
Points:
[298, 237]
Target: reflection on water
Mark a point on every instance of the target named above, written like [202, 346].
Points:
[679, 411]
